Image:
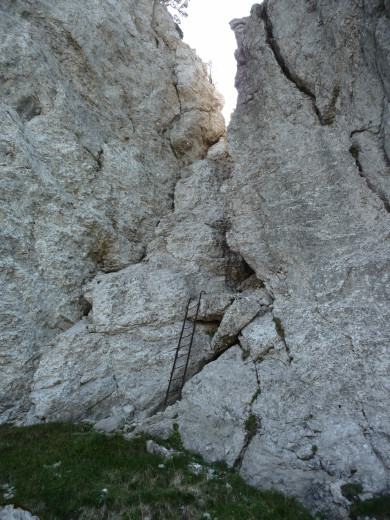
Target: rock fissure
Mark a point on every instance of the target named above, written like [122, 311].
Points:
[372, 129]
[368, 432]
[355, 151]
[382, 131]
[281, 333]
[290, 75]
[251, 425]
[179, 101]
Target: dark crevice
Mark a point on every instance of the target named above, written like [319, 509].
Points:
[382, 133]
[281, 333]
[237, 269]
[178, 96]
[233, 340]
[330, 110]
[28, 107]
[331, 474]
[98, 158]
[84, 306]
[370, 129]
[274, 46]
[354, 151]
[252, 426]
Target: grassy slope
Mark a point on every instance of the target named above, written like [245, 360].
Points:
[60, 470]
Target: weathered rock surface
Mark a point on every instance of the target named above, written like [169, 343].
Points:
[117, 361]
[309, 203]
[216, 405]
[101, 104]
[116, 210]
[15, 513]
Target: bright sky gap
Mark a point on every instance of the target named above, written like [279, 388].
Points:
[207, 31]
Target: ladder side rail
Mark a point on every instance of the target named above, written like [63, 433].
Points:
[177, 352]
[189, 351]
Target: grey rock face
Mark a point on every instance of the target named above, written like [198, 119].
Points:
[116, 210]
[110, 424]
[309, 203]
[216, 405]
[11, 513]
[101, 104]
[117, 361]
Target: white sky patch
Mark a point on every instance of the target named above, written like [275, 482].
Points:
[207, 30]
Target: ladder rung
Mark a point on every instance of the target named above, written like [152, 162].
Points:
[185, 346]
[181, 366]
[173, 389]
[180, 347]
[176, 378]
[172, 350]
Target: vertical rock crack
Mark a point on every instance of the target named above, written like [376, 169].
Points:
[291, 76]
[354, 151]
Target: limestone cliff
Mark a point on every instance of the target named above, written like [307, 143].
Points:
[101, 104]
[309, 205]
[119, 204]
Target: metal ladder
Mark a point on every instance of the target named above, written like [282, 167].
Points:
[183, 352]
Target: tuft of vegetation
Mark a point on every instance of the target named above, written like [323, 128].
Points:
[351, 491]
[174, 440]
[314, 448]
[251, 426]
[65, 471]
[255, 396]
[378, 508]
[279, 328]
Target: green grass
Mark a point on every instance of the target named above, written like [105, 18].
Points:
[59, 471]
[378, 508]
[351, 491]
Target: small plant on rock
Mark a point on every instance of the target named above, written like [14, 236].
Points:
[251, 426]
[279, 328]
[255, 396]
[351, 491]
[175, 438]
